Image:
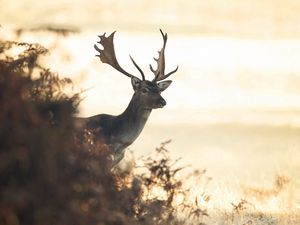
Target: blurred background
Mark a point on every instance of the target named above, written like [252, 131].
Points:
[234, 104]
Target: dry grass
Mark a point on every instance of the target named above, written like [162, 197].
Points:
[47, 177]
[262, 194]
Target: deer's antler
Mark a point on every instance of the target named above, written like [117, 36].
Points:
[108, 55]
[159, 73]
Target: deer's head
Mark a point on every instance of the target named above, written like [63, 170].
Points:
[147, 92]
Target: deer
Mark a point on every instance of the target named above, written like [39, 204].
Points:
[118, 132]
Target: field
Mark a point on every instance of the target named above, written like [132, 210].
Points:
[232, 113]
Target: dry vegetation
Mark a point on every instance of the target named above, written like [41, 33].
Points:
[48, 177]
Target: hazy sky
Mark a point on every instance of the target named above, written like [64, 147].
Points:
[261, 18]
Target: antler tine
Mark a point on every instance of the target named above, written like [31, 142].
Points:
[141, 71]
[167, 75]
[107, 54]
[159, 73]
[165, 37]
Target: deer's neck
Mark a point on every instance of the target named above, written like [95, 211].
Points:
[132, 120]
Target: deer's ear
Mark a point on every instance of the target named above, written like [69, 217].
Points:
[136, 83]
[164, 85]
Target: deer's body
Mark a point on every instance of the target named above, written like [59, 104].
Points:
[118, 132]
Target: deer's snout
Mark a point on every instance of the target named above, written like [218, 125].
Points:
[161, 102]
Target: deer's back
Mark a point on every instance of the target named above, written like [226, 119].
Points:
[100, 125]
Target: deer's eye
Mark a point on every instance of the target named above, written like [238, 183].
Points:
[145, 90]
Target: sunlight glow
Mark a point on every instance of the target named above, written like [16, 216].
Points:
[234, 104]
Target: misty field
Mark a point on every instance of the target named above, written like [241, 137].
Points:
[224, 168]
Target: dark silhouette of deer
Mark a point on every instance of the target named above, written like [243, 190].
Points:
[118, 132]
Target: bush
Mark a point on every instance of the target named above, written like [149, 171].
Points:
[48, 177]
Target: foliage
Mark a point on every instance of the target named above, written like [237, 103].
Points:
[48, 177]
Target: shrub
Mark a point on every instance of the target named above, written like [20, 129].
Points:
[48, 177]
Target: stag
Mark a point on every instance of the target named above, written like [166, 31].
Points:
[118, 132]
